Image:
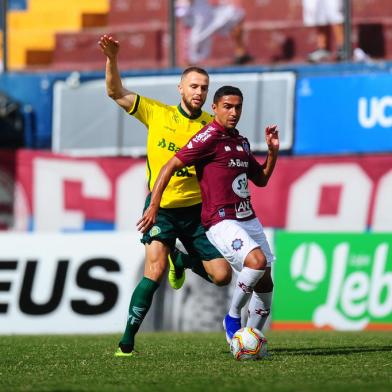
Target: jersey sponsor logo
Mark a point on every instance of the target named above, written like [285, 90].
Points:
[203, 136]
[237, 244]
[227, 148]
[239, 148]
[168, 145]
[243, 209]
[240, 186]
[190, 145]
[237, 163]
[155, 230]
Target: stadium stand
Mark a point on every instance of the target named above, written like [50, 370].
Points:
[277, 28]
[31, 37]
[48, 36]
[141, 26]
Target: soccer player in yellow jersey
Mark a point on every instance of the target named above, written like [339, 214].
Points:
[169, 128]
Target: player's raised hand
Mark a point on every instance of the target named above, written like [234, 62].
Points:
[272, 137]
[148, 219]
[109, 46]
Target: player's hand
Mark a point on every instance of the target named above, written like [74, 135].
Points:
[148, 219]
[109, 46]
[272, 137]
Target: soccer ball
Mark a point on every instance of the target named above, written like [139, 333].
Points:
[248, 343]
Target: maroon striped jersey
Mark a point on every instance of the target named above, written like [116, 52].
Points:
[223, 163]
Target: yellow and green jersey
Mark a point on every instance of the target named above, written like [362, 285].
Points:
[169, 129]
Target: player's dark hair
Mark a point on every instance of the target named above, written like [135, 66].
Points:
[227, 90]
[194, 69]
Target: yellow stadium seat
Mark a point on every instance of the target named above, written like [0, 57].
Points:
[34, 29]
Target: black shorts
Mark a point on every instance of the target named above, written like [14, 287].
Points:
[183, 223]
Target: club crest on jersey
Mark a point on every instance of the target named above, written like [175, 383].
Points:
[246, 148]
[239, 148]
[237, 244]
[227, 148]
[175, 118]
[155, 230]
[222, 213]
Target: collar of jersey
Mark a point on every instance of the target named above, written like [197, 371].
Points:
[231, 132]
[185, 114]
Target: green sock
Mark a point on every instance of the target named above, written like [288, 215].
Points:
[192, 262]
[140, 304]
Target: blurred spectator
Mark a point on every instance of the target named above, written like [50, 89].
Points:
[327, 15]
[205, 19]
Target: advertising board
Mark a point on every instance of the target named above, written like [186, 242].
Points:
[333, 281]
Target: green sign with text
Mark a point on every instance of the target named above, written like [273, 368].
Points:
[338, 281]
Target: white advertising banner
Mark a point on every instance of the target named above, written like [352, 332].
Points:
[82, 283]
[67, 283]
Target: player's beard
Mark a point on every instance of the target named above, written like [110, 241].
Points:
[193, 108]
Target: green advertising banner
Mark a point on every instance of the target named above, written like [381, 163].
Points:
[335, 281]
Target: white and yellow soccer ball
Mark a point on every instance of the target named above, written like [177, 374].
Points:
[248, 343]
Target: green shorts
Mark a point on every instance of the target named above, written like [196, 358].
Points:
[182, 223]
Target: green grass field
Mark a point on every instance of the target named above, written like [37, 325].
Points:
[306, 361]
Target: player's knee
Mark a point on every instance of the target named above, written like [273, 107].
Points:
[221, 274]
[222, 278]
[155, 268]
[256, 260]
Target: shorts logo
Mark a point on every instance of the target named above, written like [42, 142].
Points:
[237, 244]
[155, 230]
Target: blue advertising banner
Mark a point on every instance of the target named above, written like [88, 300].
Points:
[344, 114]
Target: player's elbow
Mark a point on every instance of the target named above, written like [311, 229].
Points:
[113, 94]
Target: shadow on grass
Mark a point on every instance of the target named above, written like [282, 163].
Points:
[345, 350]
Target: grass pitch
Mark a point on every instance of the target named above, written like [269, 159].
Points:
[306, 361]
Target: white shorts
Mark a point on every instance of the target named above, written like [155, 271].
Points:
[322, 12]
[235, 239]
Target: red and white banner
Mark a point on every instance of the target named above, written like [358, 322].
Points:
[328, 194]
[60, 193]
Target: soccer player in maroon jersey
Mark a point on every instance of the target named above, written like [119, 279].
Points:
[224, 163]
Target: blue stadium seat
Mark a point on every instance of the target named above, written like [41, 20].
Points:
[17, 4]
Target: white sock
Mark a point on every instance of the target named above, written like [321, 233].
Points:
[246, 280]
[259, 310]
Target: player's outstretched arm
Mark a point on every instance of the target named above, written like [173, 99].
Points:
[114, 87]
[267, 168]
[164, 176]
